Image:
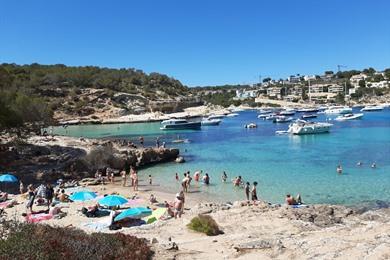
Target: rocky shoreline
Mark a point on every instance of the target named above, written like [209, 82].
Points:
[40, 158]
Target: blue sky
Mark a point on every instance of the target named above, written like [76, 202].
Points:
[199, 42]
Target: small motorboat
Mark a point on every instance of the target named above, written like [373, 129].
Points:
[308, 110]
[287, 112]
[216, 116]
[283, 119]
[210, 122]
[349, 117]
[372, 108]
[180, 141]
[251, 125]
[271, 117]
[308, 116]
[262, 116]
[232, 115]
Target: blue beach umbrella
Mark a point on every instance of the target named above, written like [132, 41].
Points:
[83, 195]
[135, 213]
[112, 200]
[8, 178]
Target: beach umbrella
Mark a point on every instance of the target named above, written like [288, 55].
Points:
[8, 178]
[112, 200]
[83, 196]
[135, 213]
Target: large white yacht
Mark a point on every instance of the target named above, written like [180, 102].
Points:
[179, 124]
[301, 127]
[338, 110]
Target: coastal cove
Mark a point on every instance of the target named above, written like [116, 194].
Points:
[281, 164]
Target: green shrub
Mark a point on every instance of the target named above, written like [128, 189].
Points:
[35, 241]
[205, 224]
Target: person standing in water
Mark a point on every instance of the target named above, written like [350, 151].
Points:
[177, 177]
[150, 179]
[247, 190]
[206, 179]
[197, 175]
[224, 176]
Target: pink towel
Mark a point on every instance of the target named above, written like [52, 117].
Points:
[133, 202]
[34, 218]
[5, 204]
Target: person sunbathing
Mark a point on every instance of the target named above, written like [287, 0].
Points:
[91, 212]
[3, 196]
[56, 211]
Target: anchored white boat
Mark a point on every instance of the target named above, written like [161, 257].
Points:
[308, 110]
[372, 108]
[283, 119]
[287, 112]
[232, 115]
[179, 124]
[271, 117]
[349, 117]
[301, 127]
[251, 125]
[338, 110]
[210, 122]
[216, 116]
[308, 116]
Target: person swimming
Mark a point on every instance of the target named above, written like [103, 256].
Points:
[359, 163]
[339, 169]
[224, 176]
[373, 165]
[206, 179]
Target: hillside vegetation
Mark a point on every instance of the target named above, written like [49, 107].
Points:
[33, 92]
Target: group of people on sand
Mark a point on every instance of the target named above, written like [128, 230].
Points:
[339, 168]
[44, 195]
[110, 176]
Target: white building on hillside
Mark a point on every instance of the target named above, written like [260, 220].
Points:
[293, 79]
[274, 92]
[356, 78]
[334, 88]
[243, 94]
[317, 88]
[380, 84]
[309, 77]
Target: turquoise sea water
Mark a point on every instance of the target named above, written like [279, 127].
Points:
[280, 164]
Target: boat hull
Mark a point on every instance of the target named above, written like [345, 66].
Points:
[184, 126]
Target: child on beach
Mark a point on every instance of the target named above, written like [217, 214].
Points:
[135, 179]
[247, 191]
[123, 175]
[21, 188]
[254, 192]
[150, 179]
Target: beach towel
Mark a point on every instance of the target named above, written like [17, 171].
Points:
[299, 206]
[97, 225]
[35, 218]
[133, 202]
[6, 204]
[156, 215]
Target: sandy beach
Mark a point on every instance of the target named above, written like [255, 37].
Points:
[260, 231]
